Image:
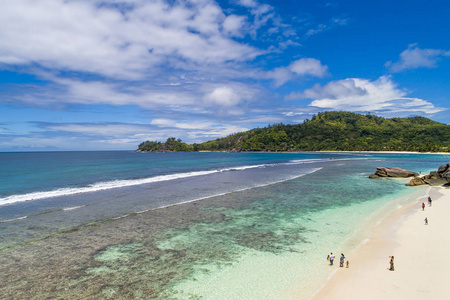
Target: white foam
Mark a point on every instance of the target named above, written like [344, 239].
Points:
[99, 186]
[106, 185]
[219, 194]
[74, 207]
[11, 220]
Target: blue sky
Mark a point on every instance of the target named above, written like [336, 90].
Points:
[108, 75]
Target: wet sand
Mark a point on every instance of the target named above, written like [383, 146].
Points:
[421, 260]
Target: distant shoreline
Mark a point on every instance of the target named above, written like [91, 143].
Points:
[389, 152]
[321, 151]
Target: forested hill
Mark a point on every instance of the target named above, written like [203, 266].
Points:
[341, 131]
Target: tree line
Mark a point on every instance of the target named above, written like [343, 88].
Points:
[331, 131]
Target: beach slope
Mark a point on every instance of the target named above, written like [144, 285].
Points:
[422, 267]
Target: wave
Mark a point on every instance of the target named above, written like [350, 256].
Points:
[12, 220]
[218, 194]
[107, 185]
[95, 187]
[72, 208]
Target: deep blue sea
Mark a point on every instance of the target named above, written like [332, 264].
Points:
[274, 208]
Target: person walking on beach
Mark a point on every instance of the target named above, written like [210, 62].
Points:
[426, 221]
[331, 258]
[429, 201]
[423, 206]
[346, 264]
[391, 263]
[341, 261]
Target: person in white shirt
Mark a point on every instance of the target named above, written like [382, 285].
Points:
[331, 258]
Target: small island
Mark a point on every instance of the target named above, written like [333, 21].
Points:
[171, 145]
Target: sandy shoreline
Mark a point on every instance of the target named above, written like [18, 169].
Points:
[421, 266]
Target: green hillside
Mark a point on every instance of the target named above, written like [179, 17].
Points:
[171, 145]
[341, 131]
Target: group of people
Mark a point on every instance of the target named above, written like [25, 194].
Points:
[423, 208]
[391, 261]
[331, 257]
[429, 203]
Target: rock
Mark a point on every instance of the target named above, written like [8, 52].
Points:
[416, 181]
[393, 172]
[444, 172]
[446, 176]
[443, 168]
[236, 149]
[436, 182]
[435, 178]
[432, 175]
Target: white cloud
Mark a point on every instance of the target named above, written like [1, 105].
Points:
[248, 3]
[319, 28]
[355, 94]
[97, 92]
[234, 25]
[110, 130]
[222, 96]
[414, 57]
[280, 75]
[302, 67]
[100, 38]
[340, 21]
[182, 125]
[308, 66]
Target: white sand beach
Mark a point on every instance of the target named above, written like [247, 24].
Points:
[422, 267]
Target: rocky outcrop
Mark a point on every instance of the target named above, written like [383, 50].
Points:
[435, 178]
[444, 172]
[236, 149]
[392, 172]
[416, 181]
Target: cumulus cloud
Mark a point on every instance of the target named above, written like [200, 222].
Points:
[302, 67]
[415, 57]
[234, 25]
[355, 94]
[222, 96]
[308, 66]
[280, 76]
[151, 54]
[100, 38]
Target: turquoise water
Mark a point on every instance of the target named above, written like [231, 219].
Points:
[197, 226]
[281, 240]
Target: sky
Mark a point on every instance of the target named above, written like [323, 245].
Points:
[108, 75]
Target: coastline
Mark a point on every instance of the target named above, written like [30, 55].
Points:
[419, 250]
[389, 152]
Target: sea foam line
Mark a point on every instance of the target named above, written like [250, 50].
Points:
[100, 186]
[12, 220]
[219, 194]
[73, 207]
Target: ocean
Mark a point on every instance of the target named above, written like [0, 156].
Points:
[125, 225]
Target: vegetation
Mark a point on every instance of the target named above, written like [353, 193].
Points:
[339, 131]
[171, 145]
